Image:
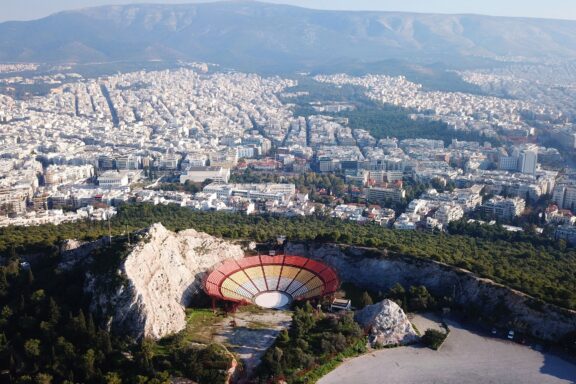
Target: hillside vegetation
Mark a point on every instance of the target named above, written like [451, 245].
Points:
[535, 265]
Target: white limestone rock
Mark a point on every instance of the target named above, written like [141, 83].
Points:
[387, 324]
[161, 275]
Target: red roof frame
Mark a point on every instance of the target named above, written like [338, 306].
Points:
[213, 282]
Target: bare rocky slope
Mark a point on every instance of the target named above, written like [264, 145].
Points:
[158, 279]
[379, 271]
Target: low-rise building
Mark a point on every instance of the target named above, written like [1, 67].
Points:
[381, 195]
[556, 216]
[59, 174]
[407, 221]
[567, 233]
[504, 208]
[112, 179]
[266, 192]
[447, 213]
[116, 179]
[201, 174]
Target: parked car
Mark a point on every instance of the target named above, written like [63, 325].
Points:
[511, 335]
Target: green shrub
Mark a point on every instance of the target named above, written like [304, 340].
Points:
[433, 338]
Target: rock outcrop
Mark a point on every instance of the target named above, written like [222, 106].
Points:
[380, 270]
[386, 324]
[159, 278]
[75, 252]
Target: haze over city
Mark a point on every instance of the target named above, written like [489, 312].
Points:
[558, 9]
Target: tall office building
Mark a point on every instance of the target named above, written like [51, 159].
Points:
[508, 163]
[527, 162]
[565, 196]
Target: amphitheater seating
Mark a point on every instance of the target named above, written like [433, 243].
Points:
[312, 293]
[293, 286]
[234, 296]
[290, 272]
[228, 267]
[261, 284]
[315, 266]
[284, 282]
[256, 274]
[242, 280]
[272, 275]
[235, 287]
[308, 286]
[305, 275]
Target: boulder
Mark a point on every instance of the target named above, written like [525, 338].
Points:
[387, 324]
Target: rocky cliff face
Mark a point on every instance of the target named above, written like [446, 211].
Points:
[75, 252]
[387, 324]
[379, 271]
[158, 278]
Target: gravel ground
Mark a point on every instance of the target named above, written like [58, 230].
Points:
[465, 358]
[252, 334]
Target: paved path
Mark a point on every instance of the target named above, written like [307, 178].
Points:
[465, 358]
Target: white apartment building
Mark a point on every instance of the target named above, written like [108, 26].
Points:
[195, 160]
[13, 200]
[508, 163]
[504, 208]
[169, 161]
[128, 162]
[59, 174]
[527, 162]
[113, 179]
[382, 194]
[565, 196]
[449, 212]
[247, 152]
[201, 174]
[267, 192]
[377, 175]
[407, 221]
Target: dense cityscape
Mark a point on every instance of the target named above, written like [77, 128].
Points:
[91, 145]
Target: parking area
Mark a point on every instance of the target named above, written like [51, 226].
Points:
[465, 358]
[425, 321]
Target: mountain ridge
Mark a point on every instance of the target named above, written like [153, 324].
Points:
[246, 35]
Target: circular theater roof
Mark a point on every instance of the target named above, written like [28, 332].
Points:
[271, 281]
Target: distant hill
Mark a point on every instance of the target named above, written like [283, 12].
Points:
[253, 35]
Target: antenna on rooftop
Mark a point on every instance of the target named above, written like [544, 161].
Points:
[109, 231]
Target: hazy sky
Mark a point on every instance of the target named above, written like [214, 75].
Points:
[564, 9]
